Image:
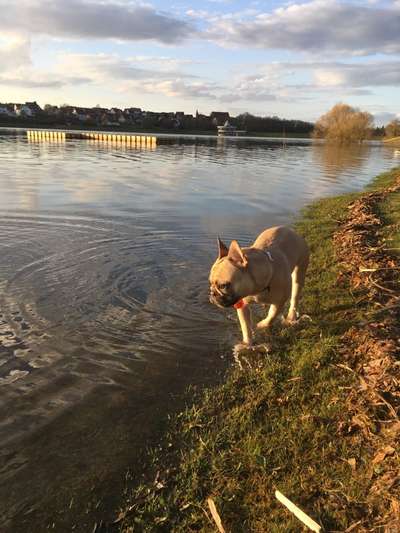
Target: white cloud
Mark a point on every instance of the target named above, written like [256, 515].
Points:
[110, 67]
[125, 75]
[14, 54]
[173, 88]
[17, 70]
[381, 118]
[318, 26]
[368, 74]
[199, 14]
[95, 19]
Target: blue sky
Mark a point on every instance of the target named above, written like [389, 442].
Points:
[291, 59]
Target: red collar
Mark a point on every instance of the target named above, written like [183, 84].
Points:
[239, 304]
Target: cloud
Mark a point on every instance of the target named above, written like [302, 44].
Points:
[17, 70]
[41, 81]
[381, 118]
[253, 88]
[109, 67]
[175, 88]
[318, 26]
[269, 83]
[274, 82]
[356, 78]
[122, 75]
[371, 74]
[14, 54]
[127, 75]
[94, 19]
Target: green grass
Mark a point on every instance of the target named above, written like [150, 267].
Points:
[276, 424]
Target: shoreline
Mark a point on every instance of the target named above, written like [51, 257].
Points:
[150, 131]
[285, 421]
[176, 133]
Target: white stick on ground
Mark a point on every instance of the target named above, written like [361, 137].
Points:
[309, 522]
[215, 515]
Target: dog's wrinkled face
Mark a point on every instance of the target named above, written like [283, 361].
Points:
[229, 279]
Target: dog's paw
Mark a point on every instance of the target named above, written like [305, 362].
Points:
[239, 351]
[290, 321]
[249, 355]
[241, 347]
[292, 318]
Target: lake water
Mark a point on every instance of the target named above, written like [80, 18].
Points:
[104, 314]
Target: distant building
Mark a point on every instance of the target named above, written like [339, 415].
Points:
[7, 110]
[29, 109]
[51, 109]
[218, 118]
[34, 107]
[83, 114]
[133, 113]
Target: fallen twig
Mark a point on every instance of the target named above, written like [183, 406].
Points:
[215, 515]
[385, 289]
[301, 515]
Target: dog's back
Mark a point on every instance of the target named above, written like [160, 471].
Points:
[287, 241]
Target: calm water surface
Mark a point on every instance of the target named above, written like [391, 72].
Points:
[104, 316]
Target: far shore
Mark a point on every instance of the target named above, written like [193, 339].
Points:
[23, 127]
[143, 131]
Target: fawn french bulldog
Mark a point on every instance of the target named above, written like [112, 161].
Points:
[270, 271]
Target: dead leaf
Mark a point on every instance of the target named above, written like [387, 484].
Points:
[380, 456]
[352, 462]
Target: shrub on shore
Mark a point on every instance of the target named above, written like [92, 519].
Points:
[344, 124]
[393, 129]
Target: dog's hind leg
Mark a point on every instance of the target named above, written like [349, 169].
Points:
[298, 279]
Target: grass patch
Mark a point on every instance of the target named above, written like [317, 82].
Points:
[275, 425]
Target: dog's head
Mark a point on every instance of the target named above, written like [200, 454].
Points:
[229, 277]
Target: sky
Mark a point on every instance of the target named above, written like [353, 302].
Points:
[290, 59]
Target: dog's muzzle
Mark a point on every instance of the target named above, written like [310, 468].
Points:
[222, 300]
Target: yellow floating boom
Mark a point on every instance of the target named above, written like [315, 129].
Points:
[57, 135]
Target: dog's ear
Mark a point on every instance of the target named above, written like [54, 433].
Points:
[236, 254]
[222, 249]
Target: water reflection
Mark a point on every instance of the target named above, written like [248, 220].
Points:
[339, 159]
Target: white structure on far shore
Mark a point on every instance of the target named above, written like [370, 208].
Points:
[228, 130]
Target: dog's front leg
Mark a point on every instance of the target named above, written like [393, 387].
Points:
[274, 311]
[244, 315]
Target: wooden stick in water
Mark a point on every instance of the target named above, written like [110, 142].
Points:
[309, 522]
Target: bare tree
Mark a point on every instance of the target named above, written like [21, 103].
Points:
[393, 128]
[343, 124]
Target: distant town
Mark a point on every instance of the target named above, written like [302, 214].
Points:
[135, 118]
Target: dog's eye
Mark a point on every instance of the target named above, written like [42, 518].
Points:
[224, 286]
